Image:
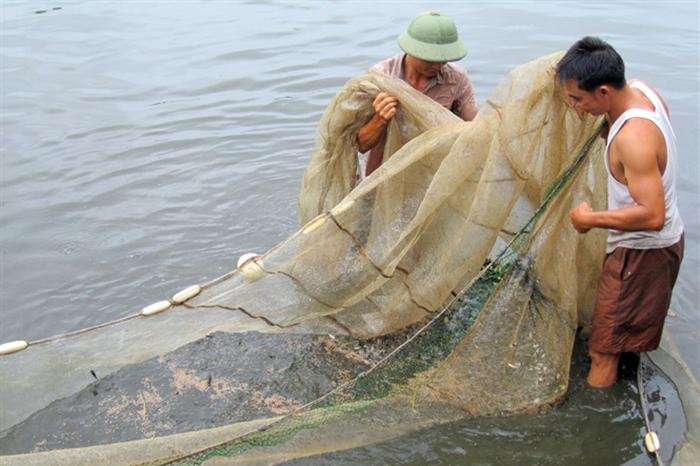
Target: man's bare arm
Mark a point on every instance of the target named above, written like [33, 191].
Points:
[637, 147]
[371, 133]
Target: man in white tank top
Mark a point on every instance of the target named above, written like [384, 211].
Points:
[645, 230]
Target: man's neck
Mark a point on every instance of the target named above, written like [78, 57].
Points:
[413, 76]
[622, 100]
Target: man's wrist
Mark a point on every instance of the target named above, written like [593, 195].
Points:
[380, 119]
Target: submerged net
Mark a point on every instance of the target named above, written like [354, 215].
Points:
[449, 230]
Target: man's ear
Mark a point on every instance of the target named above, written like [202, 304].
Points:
[604, 90]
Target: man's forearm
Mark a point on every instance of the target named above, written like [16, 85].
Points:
[632, 218]
[373, 161]
[371, 133]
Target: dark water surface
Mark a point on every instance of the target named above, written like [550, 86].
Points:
[146, 145]
[590, 427]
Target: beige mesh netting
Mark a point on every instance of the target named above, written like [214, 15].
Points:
[375, 257]
[425, 223]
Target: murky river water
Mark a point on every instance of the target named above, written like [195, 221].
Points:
[147, 144]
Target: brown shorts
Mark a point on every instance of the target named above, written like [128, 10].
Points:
[633, 297]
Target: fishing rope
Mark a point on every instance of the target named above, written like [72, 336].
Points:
[651, 440]
[550, 194]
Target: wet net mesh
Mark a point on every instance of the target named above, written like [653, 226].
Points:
[447, 284]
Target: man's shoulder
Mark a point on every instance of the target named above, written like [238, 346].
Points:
[454, 74]
[641, 83]
[639, 140]
[637, 131]
[390, 66]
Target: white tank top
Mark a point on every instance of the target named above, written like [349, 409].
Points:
[619, 196]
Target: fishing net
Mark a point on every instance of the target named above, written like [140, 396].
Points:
[447, 284]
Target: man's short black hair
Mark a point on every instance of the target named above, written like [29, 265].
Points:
[592, 62]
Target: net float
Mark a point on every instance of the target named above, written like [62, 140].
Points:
[156, 308]
[13, 347]
[186, 294]
[250, 265]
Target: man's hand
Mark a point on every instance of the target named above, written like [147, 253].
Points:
[385, 105]
[371, 133]
[578, 217]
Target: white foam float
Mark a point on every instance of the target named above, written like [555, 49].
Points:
[186, 294]
[13, 347]
[156, 308]
[250, 265]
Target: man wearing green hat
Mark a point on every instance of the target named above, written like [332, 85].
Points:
[430, 43]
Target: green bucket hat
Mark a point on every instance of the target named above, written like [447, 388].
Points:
[432, 36]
